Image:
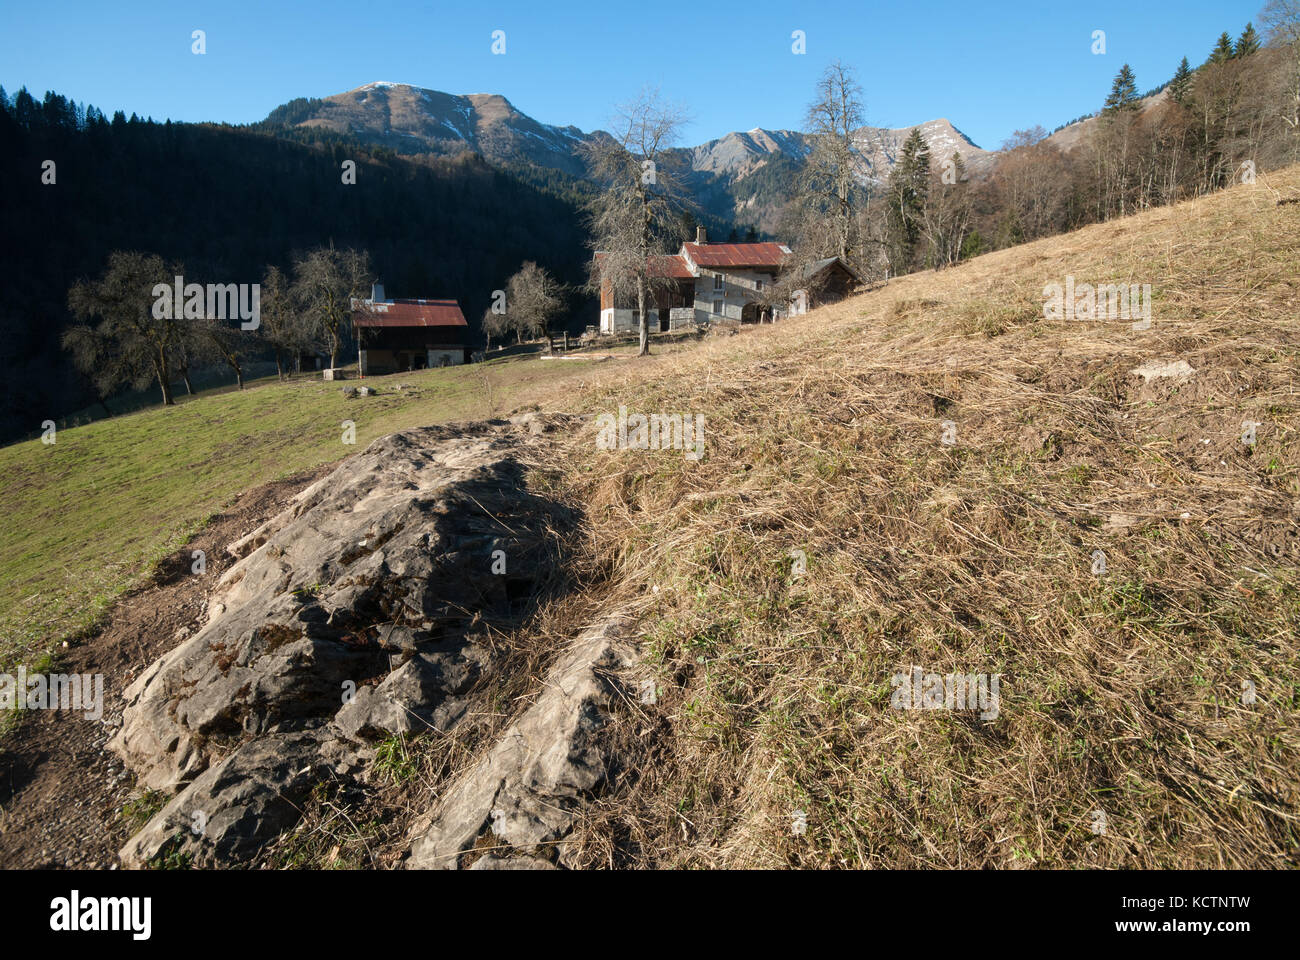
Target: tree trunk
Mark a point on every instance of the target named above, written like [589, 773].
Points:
[167, 398]
[279, 365]
[846, 219]
[645, 318]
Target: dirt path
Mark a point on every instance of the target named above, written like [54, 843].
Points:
[61, 793]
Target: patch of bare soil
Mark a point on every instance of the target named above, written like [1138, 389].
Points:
[61, 792]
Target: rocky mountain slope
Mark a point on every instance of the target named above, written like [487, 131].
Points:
[1072, 135]
[410, 119]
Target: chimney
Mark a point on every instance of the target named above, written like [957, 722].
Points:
[377, 292]
[701, 237]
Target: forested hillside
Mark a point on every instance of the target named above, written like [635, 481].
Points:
[227, 203]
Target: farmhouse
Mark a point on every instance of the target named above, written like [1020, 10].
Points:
[707, 282]
[398, 335]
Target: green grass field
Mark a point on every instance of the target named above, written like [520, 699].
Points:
[87, 516]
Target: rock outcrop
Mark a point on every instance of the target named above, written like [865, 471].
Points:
[525, 793]
[361, 611]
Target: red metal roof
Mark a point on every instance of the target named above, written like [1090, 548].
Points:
[410, 313]
[737, 254]
[672, 267]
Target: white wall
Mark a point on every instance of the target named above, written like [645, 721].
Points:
[739, 288]
[622, 321]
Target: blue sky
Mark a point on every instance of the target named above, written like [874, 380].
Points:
[990, 68]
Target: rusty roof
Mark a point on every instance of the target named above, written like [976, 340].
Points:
[410, 313]
[737, 254]
[674, 267]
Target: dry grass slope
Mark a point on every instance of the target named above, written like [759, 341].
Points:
[1120, 693]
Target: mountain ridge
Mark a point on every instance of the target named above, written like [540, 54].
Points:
[411, 119]
[369, 110]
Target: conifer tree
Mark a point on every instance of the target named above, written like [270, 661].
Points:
[1181, 83]
[1247, 43]
[909, 186]
[916, 164]
[972, 246]
[1222, 51]
[1123, 92]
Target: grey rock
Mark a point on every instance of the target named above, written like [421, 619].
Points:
[529, 787]
[1160, 369]
[375, 579]
[233, 808]
[418, 695]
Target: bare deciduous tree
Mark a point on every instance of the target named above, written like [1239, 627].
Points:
[186, 357]
[282, 324]
[639, 196]
[533, 297]
[227, 343]
[1033, 183]
[1281, 19]
[494, 325]
[132, 341]
[799, 276]
[947, 213]
[325, 282]
[830, 186]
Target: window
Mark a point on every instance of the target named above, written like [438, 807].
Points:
[717, 281]
[717, 308]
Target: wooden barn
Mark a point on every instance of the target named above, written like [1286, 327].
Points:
[399, 335]
[824, 281]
